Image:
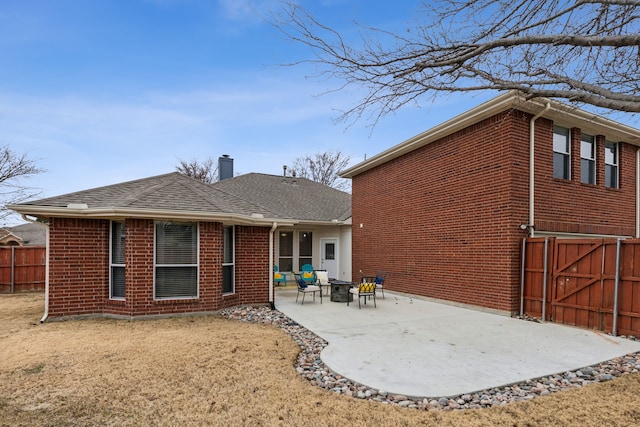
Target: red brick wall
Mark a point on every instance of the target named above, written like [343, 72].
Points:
[252, 265]
[79, 266]
[443, 220]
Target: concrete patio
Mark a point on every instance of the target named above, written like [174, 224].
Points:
[415, 347]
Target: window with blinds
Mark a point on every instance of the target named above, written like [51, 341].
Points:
[116, 273]
[611, 164]
[176, 260]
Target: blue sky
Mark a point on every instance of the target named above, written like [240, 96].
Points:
[104, 91]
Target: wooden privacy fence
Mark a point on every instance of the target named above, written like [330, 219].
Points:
[22, 268]
[590, 283]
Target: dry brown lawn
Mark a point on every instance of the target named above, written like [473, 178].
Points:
[213, 371]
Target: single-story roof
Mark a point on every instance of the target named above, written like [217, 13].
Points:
[255, 199]
[564, 114]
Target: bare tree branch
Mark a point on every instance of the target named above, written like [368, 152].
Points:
[322, 168]
[203, 171]
[13, 168]
[583, 51]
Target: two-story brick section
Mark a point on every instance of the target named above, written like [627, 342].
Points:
[444, 213]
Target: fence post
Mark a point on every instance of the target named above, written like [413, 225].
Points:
[544, 280]
[13, 262]
[524, 251]
[614, 329]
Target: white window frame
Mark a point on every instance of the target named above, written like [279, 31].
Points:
[615, 164]
[280, 256]
[590, 159]
[112, 264]
[565, 153]
[296, 265]
[301, 233]
[157, 265]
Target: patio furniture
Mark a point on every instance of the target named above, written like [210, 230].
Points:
[340, 291]
[304, 288]
[278, 277]
[364, 290]
[323, 280]
[378, 279]
[308, 274]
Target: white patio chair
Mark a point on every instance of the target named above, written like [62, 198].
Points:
[304, 289]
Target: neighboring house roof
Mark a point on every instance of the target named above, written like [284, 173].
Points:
[7, 238]
[247, 199]
[564, 114]
[32, 234]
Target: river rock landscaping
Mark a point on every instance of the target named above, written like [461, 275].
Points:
[310, 366]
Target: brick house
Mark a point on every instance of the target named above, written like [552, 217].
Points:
[445, 212]
[171, 244]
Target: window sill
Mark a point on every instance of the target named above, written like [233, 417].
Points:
[188, 300]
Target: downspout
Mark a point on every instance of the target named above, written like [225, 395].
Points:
[271, 295]
[532, 168]
[46, 270]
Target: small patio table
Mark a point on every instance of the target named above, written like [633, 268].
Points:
[340, 291]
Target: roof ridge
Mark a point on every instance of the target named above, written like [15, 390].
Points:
[136, 195]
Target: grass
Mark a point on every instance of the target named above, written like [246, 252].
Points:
[213, 371]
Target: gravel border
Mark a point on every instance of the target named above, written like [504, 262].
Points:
[311, 367]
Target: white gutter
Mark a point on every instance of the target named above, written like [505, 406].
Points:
[532, 174]
[46, 270]
[271, 248]
[117, 213]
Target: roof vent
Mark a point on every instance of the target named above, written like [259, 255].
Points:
[77, 206]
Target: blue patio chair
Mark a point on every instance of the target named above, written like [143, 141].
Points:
[308, 274]
[279, 278]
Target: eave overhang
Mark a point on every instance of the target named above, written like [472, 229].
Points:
[563, 114]
[114, 213]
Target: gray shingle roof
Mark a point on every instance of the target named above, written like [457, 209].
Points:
[289, 197]
[272, 196]
[30, 233]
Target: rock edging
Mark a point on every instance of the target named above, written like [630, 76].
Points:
[310, 366]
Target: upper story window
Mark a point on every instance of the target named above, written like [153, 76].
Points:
[611, 159]
[117, 263]
[561, 153]
[176, 260]
[588, 159]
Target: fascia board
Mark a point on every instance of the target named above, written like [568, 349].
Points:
[119, 213]
[453, 125]
[564, 114]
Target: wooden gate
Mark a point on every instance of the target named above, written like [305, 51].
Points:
[22, 268]
[590, 283]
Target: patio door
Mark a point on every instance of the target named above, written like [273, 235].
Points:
[329, 256]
